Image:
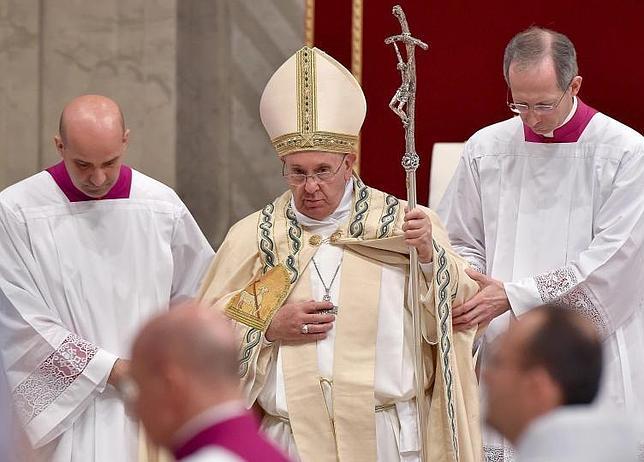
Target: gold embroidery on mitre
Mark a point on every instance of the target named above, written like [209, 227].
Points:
[307, 115]
[318, 141]
[259, 301]
[307, 137]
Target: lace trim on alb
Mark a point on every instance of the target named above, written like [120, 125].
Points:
[560, 287]
[498, 454]
[476, 265]
[54, 375]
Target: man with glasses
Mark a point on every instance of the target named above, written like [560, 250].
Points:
[316, 283]
[547, 207]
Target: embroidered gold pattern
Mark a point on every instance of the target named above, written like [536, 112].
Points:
[317, 240]
[318, 141]
[257, 303]
[306, 93]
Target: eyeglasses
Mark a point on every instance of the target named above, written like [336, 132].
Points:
[522, 108]
[323, 176]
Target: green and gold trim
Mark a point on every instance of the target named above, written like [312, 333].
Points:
[251, 340]
[360, 208]
[295, 243]
[389, 214]
[442, 281]
[265, 236]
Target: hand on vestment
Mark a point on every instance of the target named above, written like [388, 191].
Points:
[289, 320]
[418, 233]
[490, 302]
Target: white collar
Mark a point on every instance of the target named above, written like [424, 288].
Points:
[208, 418]
[339, 215]
[566, 120]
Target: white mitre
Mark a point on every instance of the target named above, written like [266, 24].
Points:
[312, 103]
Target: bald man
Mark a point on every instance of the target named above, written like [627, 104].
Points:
[90, 250]
[187, 392]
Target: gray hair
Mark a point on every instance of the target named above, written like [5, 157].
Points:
[534, 44]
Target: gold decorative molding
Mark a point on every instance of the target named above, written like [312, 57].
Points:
[356, 39]
[309, 23]
[356, 56]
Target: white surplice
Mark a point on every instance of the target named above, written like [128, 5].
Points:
[579, 434]
[77, 280]
[561, 220]
[7, 432]
[396, 428]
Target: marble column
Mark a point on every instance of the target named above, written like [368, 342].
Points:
[227, 51]
[19, 89]
[125, 49]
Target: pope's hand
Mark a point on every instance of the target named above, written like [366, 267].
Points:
[288, 323]
[487, 304]
[418, 233]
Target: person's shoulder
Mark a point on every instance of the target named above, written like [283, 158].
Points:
[36, 190]
[500, 133]
[499, 129]
[578, 432]
[147, 188]
[242, 228]
[271, 209]
[242, 236]
[606, 130]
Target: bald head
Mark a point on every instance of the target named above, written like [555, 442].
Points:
[193, 338]
[93, 112]
[92, 141]
[183, 363]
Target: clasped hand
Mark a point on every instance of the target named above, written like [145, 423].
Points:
[287, 324]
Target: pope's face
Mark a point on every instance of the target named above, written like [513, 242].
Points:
[319, 199]
[537, 84]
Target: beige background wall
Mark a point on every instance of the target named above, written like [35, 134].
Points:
[188, 74]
